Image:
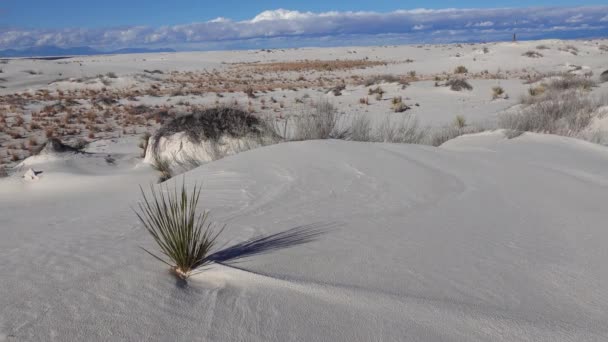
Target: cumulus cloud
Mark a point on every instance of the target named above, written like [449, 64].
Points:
[281, 25]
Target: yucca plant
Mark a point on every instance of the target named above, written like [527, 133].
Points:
[185, 237]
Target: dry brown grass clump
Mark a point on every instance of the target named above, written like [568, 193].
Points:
[315, 65]
[461, 69]
[458, 84]
[532, 54]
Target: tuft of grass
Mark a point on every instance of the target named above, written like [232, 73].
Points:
[461, 69]
[460, 121]
[563, 112]
[163, 166]
[497, 92]
[532, 54]
[143, 143]
[320, 124]
[184, 236]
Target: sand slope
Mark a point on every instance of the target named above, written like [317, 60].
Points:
[482, 239]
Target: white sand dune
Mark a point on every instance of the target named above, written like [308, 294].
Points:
[482, 239]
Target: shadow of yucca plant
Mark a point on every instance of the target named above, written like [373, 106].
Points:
[184, 237]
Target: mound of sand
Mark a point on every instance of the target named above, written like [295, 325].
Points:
[208, 135]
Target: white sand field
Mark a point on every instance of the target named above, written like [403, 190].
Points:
[483, 238]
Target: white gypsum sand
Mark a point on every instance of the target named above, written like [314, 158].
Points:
[484, 238]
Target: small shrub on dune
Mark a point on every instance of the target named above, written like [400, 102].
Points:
[570, 82]
[460, 121]
[532, 54]
[461, 69]
[556, 112]
[535, 91]
[497, 92]
[184, 236]
[213, 123]
[163, 166]
[360, 129]
[320, 124]
[458, 84]
[386, 78]
[406, 131]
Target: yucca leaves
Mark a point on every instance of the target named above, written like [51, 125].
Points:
[184, 237]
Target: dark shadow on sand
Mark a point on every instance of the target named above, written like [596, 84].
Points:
[270, 243]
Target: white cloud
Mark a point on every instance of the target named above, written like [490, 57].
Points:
[275, 25]
[575, 19]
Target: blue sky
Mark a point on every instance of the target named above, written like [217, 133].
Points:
[88, 13]
[190, 24]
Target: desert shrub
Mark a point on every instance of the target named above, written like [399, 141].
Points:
[3, 172]
[320, 124]
[569, 48]
[535, 91]
[406, 131]
[250, 92]
[400, 107]
[604, 76]
[337, 90]
[111, 75]
[364, 101]
[211, 124]
[497, 92]
[184, 236]
[461, 69]
[163, 166]
[458, 84]
[532, 54]
[556, 112]
[460, 121]
[570, 82]
[360, 129]
[378, 90]
[542, 47]
[385, 78]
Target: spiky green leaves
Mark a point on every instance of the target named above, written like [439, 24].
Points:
[184, 237]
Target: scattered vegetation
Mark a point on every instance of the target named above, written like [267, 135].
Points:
[458, 84]
[569, 48]
[562, 106]
[313, 65]
[185, 237]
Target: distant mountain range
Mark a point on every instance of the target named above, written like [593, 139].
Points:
[54, 51]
